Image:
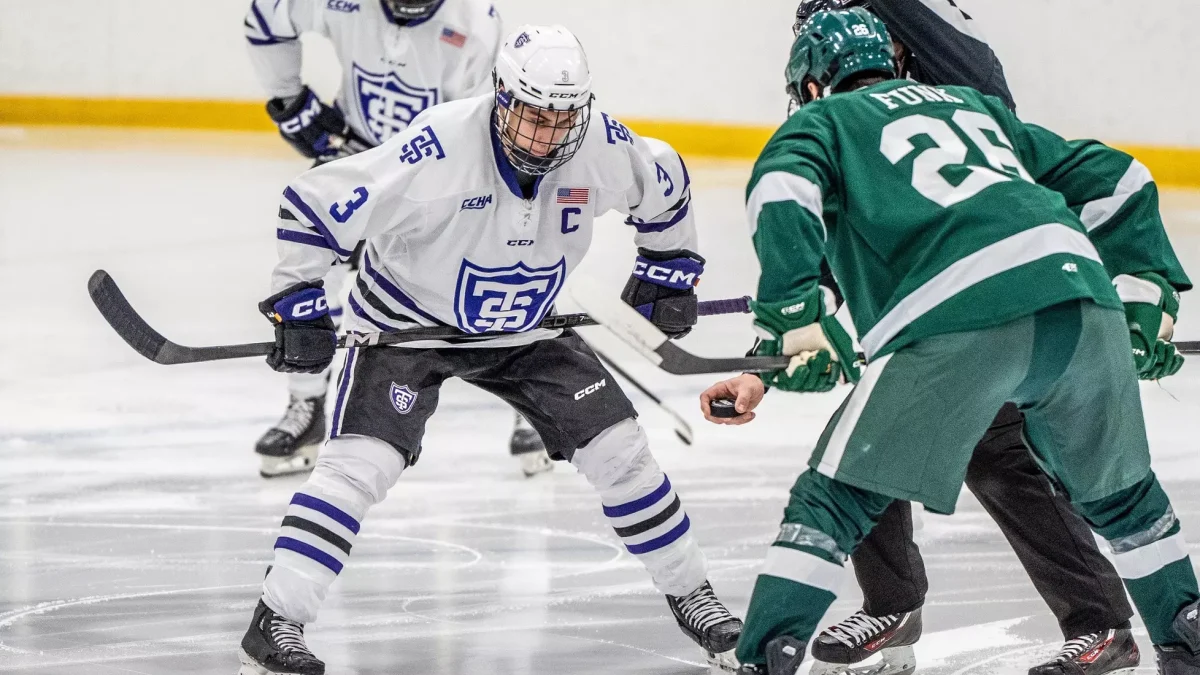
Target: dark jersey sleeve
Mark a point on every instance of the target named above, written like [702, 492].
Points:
[942, 48]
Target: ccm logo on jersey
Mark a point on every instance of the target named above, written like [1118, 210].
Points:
[520, 242]
[304, 119]
[590, 389]
[342, 6]
[664, 274]
[475, 203]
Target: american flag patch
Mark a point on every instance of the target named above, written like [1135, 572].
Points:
[572, 195]
[453, 37]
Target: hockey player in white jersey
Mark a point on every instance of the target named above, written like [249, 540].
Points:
[399, 57]
[474, 217]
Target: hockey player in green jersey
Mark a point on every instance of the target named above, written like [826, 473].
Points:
[969, 284]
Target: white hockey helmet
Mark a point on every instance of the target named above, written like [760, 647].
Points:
[543, 97]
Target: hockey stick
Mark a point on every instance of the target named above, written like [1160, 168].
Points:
[148, 342]
[682, 429]
[633, 329]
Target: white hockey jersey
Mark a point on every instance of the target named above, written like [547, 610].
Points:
[390, 74]
[449, 238]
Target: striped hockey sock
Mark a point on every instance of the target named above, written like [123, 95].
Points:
[641, 505]
[353, 473]
[1148, 552]
[316, 531]
[314, 544]
[651, 522]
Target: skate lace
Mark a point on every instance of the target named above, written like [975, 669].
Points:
[297, 417]
[702, 610]
[1072, 648]
[289, 636]
[860, 627]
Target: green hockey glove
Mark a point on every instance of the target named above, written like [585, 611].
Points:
[1167, 361]
[1151, 324]
[823, 353]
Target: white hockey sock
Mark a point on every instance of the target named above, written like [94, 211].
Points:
[353, 473]
[308, 385]
[642, 507]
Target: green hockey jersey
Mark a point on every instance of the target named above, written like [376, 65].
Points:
[939, 211]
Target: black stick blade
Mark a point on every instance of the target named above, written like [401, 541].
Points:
[119, 314]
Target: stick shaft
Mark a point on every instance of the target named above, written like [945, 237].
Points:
[139, 335]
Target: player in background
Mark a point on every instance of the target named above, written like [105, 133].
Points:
[398, 58]
[938, 44]
[474, 217]
[980, 286]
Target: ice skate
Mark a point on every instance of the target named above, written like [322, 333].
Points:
[1107, 651]
[291, 446]
[1177, 661]
[1181, 659]
[274, 645]
[526, 445]
[841, 649]
[705, 620]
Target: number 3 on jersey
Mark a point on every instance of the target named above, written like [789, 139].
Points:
[342, 213]
[949, 149]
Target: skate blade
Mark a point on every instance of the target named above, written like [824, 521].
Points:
[302, 461]
[534, 463]
[249, 666]
[724, 662]
[891, 661]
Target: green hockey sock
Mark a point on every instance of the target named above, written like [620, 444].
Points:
[824, 521]
[1148, 552]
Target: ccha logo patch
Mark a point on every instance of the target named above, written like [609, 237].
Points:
[389, 104]
[476, 203]
[403, 398]
[505, 299]
[342, 6]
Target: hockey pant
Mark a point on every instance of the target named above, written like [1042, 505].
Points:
[353, 473]
[1054, 544]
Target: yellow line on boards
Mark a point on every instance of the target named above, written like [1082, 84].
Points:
[1175, 167]
[135, 112]
[1170, 166]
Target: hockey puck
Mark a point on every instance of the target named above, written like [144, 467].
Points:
[723, 407]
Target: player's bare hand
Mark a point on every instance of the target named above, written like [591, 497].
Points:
[745, 390]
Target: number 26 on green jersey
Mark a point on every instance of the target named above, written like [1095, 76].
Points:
[949, 149]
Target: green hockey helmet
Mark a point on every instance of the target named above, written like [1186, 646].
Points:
[832, 46]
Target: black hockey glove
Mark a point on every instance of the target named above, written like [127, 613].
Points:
[313, 128]
[663, 289]
[305, 337]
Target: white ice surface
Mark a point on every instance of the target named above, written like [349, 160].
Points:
[134, 530]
